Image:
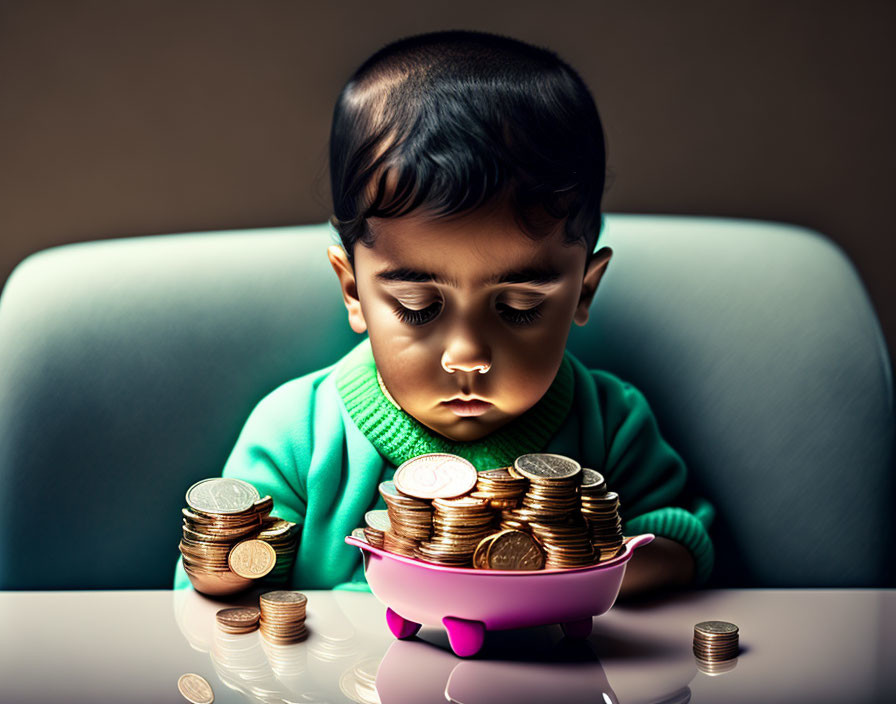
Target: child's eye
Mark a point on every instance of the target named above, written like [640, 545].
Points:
[412, 316]
[516, 316]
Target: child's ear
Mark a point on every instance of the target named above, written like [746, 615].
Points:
[346, 275]
[593, 273]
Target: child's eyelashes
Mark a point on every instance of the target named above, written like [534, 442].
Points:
[422, 316]
[414, 316]
[517, 316]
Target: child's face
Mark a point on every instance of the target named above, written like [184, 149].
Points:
[469, 308]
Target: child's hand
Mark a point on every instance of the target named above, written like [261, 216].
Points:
[663, 563]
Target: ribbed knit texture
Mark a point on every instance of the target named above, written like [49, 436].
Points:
[398, 436]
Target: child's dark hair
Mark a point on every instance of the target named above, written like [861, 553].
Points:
[452, 121]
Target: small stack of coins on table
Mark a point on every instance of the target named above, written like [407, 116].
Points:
[283, 616]
[553, 513]
[229, 538]
[241, 619]
[716, 642]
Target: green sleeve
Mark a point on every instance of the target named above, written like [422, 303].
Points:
[650, 476]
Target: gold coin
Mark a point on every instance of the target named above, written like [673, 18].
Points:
[240, 616]
[252, 559]
[284, 596]
[514, 550]
[195, 689]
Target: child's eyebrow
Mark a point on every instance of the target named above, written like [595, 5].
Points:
[534, 276]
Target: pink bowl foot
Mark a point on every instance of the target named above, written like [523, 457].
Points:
[466, 637]
[401, 628]
[578, 629]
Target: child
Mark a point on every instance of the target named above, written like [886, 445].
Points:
[467, 174]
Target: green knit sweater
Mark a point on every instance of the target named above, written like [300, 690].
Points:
[321, 444]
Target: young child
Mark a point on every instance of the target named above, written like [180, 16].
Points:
[467, 174]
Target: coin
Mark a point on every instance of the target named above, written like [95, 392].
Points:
[715, 628]
[284, 596]
[239, 615]
[716, 641]
[378, 520]
[222, 495]
[276, 528]
[252, 559]
[539, 465]
[195, 689]
[435, 475]
[514, 550]
[593, 480]
[239, 619]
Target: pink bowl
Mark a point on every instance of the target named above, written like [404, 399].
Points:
[468, 602]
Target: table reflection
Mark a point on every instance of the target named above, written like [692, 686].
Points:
[349, 647]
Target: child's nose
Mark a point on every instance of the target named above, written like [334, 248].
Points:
[466, 355]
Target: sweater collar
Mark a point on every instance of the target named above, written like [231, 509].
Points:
[398, 436]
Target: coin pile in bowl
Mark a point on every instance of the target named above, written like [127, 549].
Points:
[544, 512]
[229, 538]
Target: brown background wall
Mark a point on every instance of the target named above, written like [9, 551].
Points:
[123, 118]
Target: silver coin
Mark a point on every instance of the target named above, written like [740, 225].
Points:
[222, 495]
[195, 689]
[388, 488]
[435, 475]
[713, 628]
[539, 465]
[592, 479]
[378, 520]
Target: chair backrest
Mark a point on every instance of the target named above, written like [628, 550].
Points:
[129, 366]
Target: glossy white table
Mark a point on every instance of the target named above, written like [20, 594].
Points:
[797, 646]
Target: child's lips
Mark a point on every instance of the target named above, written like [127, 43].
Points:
[474, 407]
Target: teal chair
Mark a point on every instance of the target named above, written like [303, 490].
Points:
[129, 366]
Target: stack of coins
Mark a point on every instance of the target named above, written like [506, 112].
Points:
[716, 641]
[552, 496]
[508, 550]
[378, 524]
[601, 511]
[242, 619]
[410, 520]
[574, 521]
[282, 620]
[566, 545]
[500, 487]
[459, 524]
[220, 513]
[283, 536]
